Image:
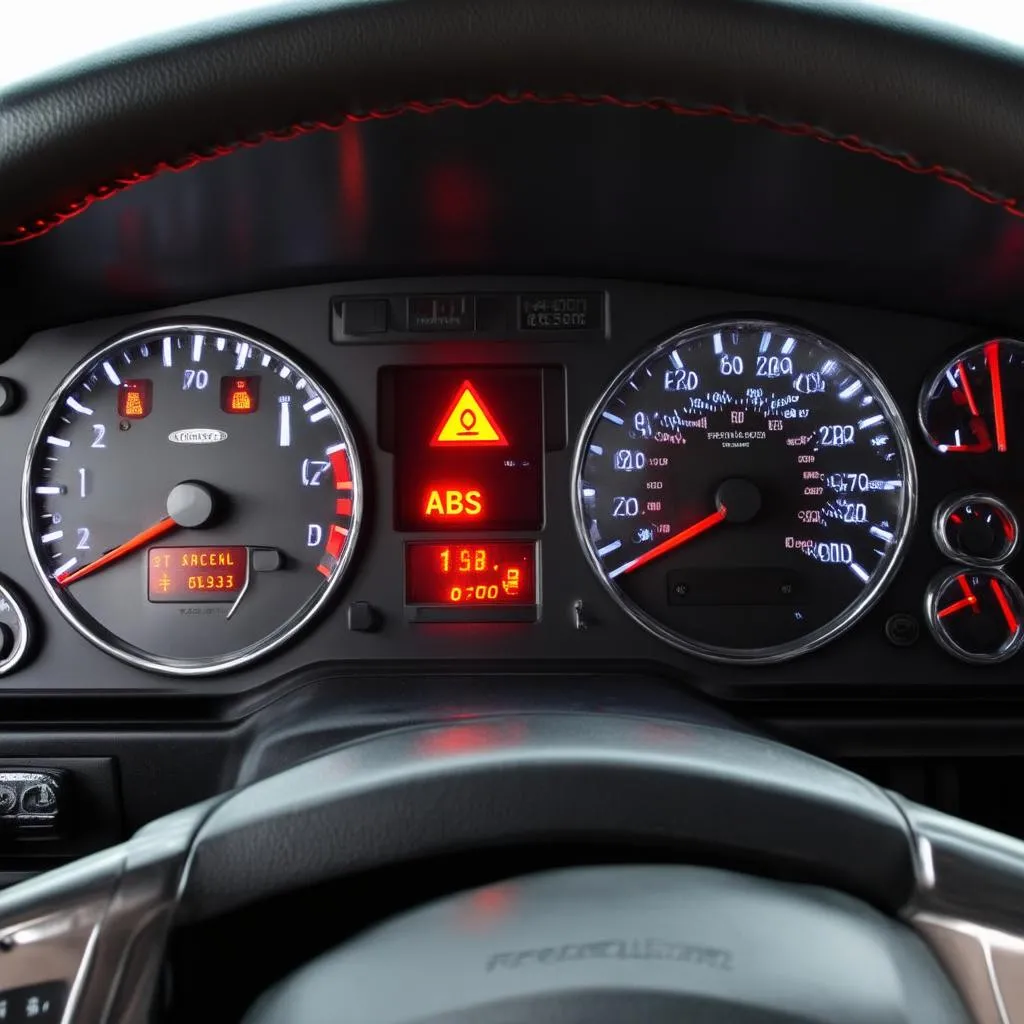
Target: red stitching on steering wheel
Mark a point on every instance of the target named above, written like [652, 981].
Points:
[852, 143]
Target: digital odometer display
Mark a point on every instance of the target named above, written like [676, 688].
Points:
[197, 574]
[471, 573]
[745, 490]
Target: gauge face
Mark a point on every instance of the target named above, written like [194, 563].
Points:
[191, 498]
[976, 528]
[745, 491]
[976, 615]
[975, 403]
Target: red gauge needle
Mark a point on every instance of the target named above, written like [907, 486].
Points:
[1004, 605]
[189, 505]
[958, 606]
[967, 601]
[968, 390]
[994, 371]
[165, 525]
[702, 526]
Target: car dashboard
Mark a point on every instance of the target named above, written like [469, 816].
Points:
[439, 471]
[531, 405]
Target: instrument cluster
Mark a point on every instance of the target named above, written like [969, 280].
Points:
[504, 470]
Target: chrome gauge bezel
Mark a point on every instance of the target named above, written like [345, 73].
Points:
[880, 580]
[11, 662]
[101, 637]
[937, 585]
[947, 507]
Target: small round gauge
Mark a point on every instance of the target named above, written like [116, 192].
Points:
[191, 498]
[974, 405]
[976, 615]
[976, 528]
[745, 490]
[14, 632]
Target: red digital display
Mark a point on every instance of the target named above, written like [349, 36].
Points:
[187, 575]
[469, 448]
[239, 395]
[135, 399]
[471, 574]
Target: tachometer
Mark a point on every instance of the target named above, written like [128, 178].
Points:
[746, 490]
[191, 498]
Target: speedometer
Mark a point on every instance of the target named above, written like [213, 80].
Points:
[191, 498]
[745, 491]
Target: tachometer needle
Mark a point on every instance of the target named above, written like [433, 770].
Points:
[992, 361]
[158, 529]
[673, 542]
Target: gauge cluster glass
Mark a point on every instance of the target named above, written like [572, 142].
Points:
[745, 490]
[191, 498]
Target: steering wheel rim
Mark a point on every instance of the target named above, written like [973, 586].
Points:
[861, 78]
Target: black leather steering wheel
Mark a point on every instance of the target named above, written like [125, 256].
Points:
[600, 944]
[833, 900]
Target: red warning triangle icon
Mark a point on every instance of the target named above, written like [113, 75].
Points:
[468, 422]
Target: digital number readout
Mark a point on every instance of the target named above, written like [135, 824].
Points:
[492, 573]
[197, 574]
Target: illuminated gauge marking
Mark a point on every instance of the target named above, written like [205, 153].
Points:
[739, 504]
[177, 534]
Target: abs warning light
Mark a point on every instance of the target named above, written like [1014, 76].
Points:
[239, 395]
[468, 422]
[468, 445]
[135, 399]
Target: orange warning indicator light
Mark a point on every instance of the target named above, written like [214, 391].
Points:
[468, 422]
[135, 399]
[239, 395]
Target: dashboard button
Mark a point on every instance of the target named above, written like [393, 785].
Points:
[34, 1003]
[8, 395]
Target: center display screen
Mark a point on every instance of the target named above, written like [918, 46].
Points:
[469, 449]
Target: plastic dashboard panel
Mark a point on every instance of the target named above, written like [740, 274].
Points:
[902, 349]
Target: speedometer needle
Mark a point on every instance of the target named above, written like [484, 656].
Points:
[158, 529]
[672, 543]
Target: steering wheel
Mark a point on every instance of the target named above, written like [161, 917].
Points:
[828, 899]
[843, 887]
